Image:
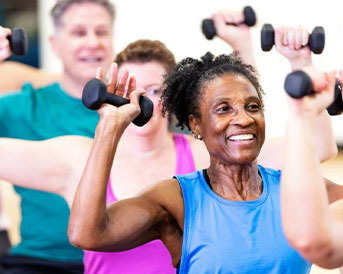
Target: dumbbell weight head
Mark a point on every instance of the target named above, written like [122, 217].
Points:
[267, 37]
[249, 16]
[18, 41]
[336, 108]
[208, 29]
[298, 84]
[95, 94]
[317, 40]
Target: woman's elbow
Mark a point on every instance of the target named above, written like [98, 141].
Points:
[318, 250]
[329, 153]
[78, 239]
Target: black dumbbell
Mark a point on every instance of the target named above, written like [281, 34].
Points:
[18, 41]
[209, 30]
[298, 84]
[95, 94]
[316, 40]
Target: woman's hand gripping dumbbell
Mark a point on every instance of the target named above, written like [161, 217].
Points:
[95, 95]
[299, 84]
[248, 18]
[316, 41]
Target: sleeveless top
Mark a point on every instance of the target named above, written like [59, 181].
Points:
[152, 257]
[222, 236]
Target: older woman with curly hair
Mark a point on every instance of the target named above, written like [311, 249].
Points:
[222, 219]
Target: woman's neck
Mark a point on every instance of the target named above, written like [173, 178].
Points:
[147, 145]
[235, 182]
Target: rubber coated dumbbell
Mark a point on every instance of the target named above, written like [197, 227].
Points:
[94, 95]
[209, 30]
[18, 41]
[316, 41]
[298, 84]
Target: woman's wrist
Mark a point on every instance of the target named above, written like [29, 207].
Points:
[299, 63]
[108, 125]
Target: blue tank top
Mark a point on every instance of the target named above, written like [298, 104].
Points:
[222, 236]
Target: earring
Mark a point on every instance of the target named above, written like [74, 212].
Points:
[196, 136]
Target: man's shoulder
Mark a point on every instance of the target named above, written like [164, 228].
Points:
[28, 91]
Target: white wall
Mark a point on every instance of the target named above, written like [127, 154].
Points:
[177, 24]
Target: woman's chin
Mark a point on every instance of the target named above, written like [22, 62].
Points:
[145, 130]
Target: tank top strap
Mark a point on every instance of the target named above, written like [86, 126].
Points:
[110, 195]
[184, 158]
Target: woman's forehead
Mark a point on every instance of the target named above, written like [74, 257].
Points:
[230, 85]
[149, 73]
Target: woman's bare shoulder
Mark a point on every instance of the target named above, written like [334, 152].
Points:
[167, 194]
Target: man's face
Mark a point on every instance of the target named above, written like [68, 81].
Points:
[84, 40]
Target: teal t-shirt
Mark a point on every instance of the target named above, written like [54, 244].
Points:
[37, 115]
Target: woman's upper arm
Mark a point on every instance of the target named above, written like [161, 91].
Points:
[136, 221]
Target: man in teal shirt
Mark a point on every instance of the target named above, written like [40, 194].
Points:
[83, 39]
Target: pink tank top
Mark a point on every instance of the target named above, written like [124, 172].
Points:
[150, 258]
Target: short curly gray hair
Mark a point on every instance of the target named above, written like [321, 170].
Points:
[62, 5]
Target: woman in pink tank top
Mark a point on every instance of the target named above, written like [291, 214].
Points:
[152, 257]
[149, 61]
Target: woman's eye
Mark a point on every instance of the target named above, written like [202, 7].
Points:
[253, 107]
[223, 109]
[154, 91]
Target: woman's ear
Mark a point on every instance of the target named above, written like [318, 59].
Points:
[195, 127]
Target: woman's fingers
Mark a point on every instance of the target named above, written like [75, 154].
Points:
[134, 96]
[131, 86]
[121, 84]
[112, 80]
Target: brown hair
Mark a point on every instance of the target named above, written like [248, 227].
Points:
[143, 51]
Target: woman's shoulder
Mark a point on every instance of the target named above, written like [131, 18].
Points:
[269, 171]
[166, 194]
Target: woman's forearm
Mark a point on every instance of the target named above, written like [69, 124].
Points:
[88, 218]
[324, 138]
[305, 211]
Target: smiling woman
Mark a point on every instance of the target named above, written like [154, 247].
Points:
[196, 215]
[233, 96]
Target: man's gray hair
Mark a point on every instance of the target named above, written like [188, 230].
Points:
[62, 5]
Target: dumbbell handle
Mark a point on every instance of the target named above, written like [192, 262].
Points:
[115, 100]
[298, 84]
[94, 95]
